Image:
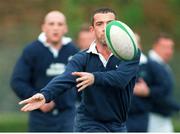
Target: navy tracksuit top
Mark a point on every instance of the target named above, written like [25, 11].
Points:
[33, 70]
[108, 99]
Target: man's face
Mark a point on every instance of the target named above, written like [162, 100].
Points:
[99, 25]
[54, 27]
[165, 48]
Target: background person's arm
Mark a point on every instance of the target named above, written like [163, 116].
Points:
[21, 77]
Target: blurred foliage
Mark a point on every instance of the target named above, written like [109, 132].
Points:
[21, 23]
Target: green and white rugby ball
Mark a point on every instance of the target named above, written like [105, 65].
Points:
[121, 40]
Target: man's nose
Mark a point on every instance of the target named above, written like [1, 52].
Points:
[104, 27]
[55, 27]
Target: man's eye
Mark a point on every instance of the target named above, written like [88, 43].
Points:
[51, 24]
[98, 24]
[60, 24]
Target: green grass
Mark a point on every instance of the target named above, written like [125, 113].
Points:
[13, 122]
[176, 123]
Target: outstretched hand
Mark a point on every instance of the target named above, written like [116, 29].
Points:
[32, 103]
[84, 79]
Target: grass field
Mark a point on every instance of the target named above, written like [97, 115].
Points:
[13, 122]
[17, 122]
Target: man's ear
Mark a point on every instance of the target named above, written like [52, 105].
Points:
[91, 29]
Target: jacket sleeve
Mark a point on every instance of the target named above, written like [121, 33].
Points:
[171, 104]
[119, 78]
[21, 76]
[65, 81]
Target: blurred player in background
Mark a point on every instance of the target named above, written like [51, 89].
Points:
[42, 60]
[164, 105]
[85, 37]
[153, 91]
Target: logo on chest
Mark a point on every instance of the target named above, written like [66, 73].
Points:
[55, 69]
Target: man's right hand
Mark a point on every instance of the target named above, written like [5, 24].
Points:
[32, 103]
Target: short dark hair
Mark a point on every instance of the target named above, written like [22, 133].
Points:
[162, 35]
[102, 10]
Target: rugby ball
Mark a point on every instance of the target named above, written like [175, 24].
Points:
[121, 40]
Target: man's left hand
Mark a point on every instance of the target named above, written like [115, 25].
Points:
[84, 79]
